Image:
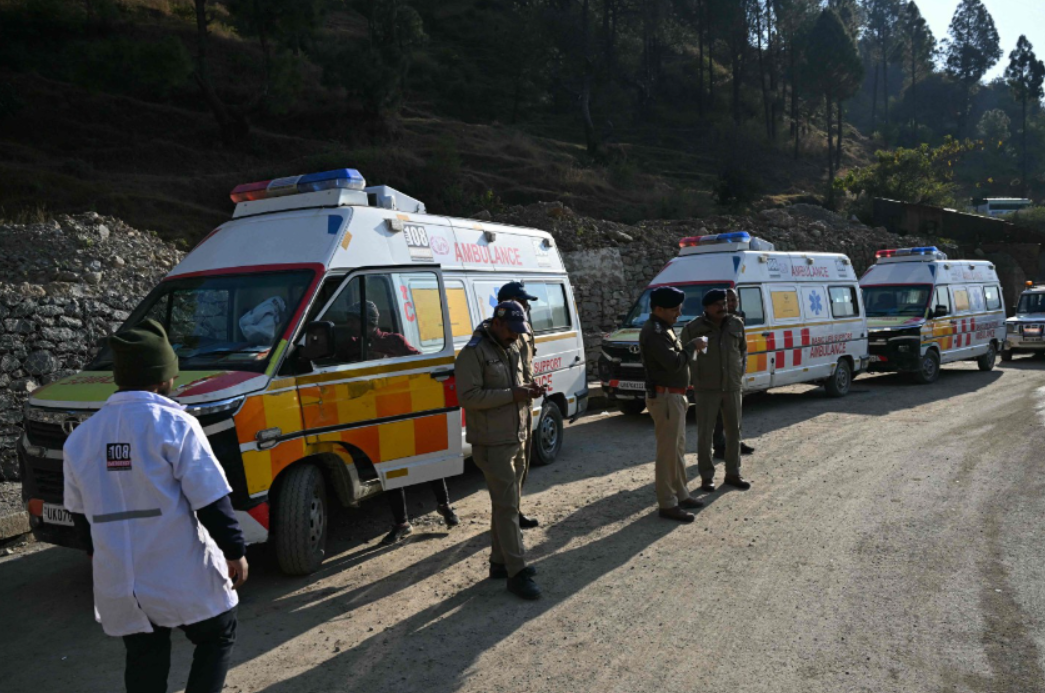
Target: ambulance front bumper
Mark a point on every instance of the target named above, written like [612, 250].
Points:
[43, 490]
[891, 354]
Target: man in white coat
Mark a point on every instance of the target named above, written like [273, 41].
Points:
[167, 550]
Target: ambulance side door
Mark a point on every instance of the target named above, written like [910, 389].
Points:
[786, 307]
[818, 352]
[387, 392]
[752, 302]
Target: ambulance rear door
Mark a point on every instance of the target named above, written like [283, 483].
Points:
[388, 395]
[784, 356]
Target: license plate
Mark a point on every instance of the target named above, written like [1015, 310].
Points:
[875, 359]
[631, 385]
[57, 515]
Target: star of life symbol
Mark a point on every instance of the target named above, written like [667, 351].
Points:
[815, 304]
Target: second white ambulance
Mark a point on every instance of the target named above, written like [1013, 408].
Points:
[803, 314]
[924, 310]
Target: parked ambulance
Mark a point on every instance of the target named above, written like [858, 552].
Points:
[302, 396]
[924, 310]
[1025, 331]
[803, 315]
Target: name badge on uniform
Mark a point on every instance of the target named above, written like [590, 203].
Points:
[117, 456]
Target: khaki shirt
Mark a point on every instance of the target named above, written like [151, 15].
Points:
[663, 356]
[722, 368]
[486, 374]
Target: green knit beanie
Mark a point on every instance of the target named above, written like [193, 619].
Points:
[142, 356]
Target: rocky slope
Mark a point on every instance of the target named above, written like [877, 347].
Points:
[64, 285]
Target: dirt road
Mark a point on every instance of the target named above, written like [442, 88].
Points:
[893, 542]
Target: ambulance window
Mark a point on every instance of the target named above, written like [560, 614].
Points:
[843, 301]
[976, 299]
[993, 297]
[367, 328]
[421, 308]
[548, 313]
[460, 315]
[815, 302]
[942, 298]
[961, 300]
[751, 305]
[785, 305]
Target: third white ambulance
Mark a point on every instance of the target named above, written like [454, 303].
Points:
[924, 310]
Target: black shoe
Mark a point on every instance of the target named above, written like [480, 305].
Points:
[719, 453]
[398, 533]
[676, 513]
[690, 504]
[449, 516]
[528, 522]
[708, 486]
[499, 572]
[522, 585]
[746, 449]
[737, 482]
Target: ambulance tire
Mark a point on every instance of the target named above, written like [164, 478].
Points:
[838, 384]
[987, 361]
[632, 407]
[547, 439]
[929, 369]
[302, 516]
[1006, 355]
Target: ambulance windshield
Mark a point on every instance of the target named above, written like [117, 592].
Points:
[691, 307]
[895, 300]
[222, 322]
[1031, 303]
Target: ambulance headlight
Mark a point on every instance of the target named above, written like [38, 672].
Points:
[226, 405]
[1012, 328]
[904, 347]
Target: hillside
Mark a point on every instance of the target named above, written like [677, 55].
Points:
[115, 143]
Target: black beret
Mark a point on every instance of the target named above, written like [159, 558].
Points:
[713, 296]
[666, 297]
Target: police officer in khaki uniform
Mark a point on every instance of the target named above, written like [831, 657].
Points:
[666, 361]
[496, 396]
[718, 375]
[516, 291]
[733, 308]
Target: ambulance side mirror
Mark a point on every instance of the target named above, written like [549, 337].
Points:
[319, 341]
[940, 311]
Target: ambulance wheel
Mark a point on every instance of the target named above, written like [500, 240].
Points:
[301, 520]
[632, 407]
[1006, 355]
[929, 370]
[987, 361]
[838, 384]
[547, 439]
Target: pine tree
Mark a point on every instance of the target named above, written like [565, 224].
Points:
[1024, 76]
[883, 17]
[972, 49]
[919, 47]
[835, 68]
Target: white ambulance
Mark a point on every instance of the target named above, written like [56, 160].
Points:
[803, 315]
[302, 397]
[1025, 331]
[924, 310]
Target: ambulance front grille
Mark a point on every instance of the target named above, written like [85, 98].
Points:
[50, 485]
[48, 435]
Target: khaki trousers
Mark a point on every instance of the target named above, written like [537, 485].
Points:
[669, 422]
[523, 470]
[708, 406]
[501, 465]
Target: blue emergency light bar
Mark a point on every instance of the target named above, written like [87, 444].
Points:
[731, 237]
[345, 178]
[903, 252]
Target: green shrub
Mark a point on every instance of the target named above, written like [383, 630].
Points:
[737, 187]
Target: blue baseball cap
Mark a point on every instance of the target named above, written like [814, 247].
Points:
[513, 315]
[513, 291]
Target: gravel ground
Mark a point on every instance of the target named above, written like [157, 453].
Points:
[891, 543]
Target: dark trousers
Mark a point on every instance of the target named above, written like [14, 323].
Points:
[397, 501]
[149, 656]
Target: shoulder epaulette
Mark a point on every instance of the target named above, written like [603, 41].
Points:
[474, 341]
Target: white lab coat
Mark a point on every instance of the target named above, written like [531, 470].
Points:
[139, 469]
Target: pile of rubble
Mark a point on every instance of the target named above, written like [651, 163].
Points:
[64, 285]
